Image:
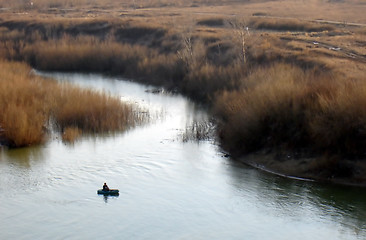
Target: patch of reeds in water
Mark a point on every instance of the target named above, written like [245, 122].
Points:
[71, 134]
[29, 103]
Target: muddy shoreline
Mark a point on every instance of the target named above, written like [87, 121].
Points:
[313, 169]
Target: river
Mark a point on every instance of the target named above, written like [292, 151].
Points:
[169, 189]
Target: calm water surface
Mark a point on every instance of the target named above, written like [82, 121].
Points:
[168, 189]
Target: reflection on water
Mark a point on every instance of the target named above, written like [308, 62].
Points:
[17, 167]
[168, 189]
[106, 197]
[345, 205]
[342, 205]
[23, 157]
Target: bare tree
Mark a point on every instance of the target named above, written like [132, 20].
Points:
[241, 30]
[186, 53]
[193, 50]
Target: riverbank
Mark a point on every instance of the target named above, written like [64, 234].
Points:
[323, 169]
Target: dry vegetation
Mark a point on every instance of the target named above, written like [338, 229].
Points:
[291, 25]
[285, 106]
[276, 75]
[30, 104]
[70, 134]
[105, 4]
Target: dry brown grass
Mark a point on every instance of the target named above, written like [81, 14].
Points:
[283, 106]
[28, 104]
[71, 134]
[91, 111]
[267, 111]
[125, 50]
[120, 48]
[23, 112]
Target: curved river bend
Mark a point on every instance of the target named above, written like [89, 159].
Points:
[168, 189]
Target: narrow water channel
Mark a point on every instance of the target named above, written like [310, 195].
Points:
[169, 189]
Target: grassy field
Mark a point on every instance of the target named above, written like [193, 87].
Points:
[286, 75]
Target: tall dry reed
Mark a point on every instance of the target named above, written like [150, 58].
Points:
[283, 106]
[88, 54]
[29, 102]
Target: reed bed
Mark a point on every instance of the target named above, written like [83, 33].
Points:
[195, 70]
[90, 55]
[92, 111]
[68, 50]
[285, 107]
[29, 104]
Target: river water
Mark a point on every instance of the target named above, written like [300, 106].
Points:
[169, 189]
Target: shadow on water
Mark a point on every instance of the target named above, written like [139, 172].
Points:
[22, 169]
[298, 199]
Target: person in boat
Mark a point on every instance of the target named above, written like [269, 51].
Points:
[105, 187]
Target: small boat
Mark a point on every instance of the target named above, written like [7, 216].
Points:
[113, 192]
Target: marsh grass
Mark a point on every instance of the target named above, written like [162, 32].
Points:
[283, 106]
[47, 50]
[29, 102]
[71, 134]
[195, 70]
[23, 113]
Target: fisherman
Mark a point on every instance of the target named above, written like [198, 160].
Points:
[105, 187]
